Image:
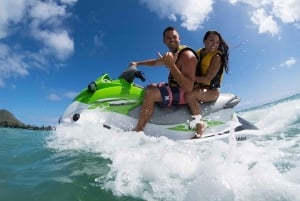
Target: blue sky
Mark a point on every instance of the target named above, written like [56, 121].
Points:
[51, 49]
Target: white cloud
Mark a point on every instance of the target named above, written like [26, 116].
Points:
[60, 96]
[191, 13]
[51, 15]
[266, 24]
[287, 10]
[289, 62]
[54, 97]
[70, 94]
[69, 2]
[269, 14]
[11, 64]
[45, 20]
[60, 43]
[10, 16]
[98, 40]
[46, 10]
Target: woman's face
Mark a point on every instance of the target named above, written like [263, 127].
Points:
[212, 42]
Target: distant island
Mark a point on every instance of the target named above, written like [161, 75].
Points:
[8, 120]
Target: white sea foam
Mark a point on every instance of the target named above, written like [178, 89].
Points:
[161, 169]
[275, 117]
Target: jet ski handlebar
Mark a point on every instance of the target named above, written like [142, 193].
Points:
[140, 75]
[131, 73]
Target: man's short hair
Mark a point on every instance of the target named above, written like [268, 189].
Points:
[169, 28]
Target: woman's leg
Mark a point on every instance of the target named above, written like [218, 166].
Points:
[200, 95]
[193, 104]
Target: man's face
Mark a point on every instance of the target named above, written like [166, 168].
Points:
[172, 40]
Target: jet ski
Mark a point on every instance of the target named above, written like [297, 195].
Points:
[116, 103]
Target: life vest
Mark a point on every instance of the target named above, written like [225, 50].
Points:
[203, 65]
[181, 49]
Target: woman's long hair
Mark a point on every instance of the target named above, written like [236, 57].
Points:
[223, 48]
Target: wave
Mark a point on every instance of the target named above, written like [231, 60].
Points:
[265, 168]
[277, 116]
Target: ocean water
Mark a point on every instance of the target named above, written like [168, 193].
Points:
[91, 163]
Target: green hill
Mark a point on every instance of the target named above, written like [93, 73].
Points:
[7, 118]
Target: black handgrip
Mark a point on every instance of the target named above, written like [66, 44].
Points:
[140, 75]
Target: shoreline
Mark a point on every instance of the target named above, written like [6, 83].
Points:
[8, 120]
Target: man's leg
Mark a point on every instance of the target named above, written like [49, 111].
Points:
[152, 95]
